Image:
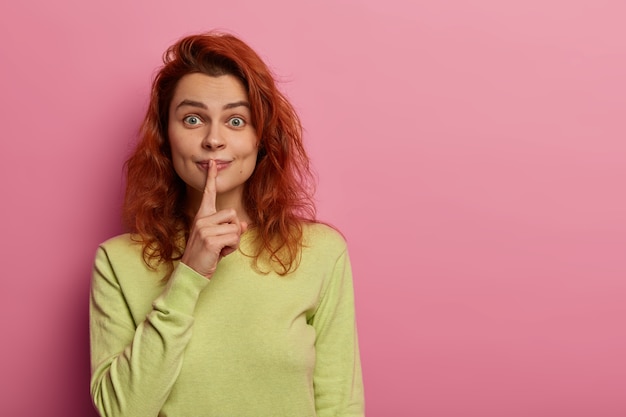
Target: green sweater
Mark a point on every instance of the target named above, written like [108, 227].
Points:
[243, 344]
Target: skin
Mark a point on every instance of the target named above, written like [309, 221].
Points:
[214, 149]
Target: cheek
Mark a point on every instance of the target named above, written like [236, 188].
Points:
[249, 153]
[178, 165]
[246, 169]
[252, 160]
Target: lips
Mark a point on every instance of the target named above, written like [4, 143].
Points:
[221, 164]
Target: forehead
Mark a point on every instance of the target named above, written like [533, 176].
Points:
[207, 89]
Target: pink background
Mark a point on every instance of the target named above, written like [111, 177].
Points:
[473, 153]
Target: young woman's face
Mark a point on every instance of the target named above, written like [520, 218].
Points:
[210, 119]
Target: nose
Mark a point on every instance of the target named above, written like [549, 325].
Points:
[214, 139]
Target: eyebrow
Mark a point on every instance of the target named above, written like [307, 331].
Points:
[201, 105]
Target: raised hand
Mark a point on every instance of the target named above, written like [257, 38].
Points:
[214, 234]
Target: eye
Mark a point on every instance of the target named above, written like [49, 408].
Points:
[192, 120]
[236, 122]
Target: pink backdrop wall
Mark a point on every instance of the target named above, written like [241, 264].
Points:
[473, 153]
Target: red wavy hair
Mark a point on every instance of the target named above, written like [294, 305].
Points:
[278, 195]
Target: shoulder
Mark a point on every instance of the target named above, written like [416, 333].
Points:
[121, 244]
[321, 234]
[123, 249]
[122, 257]
[322, 243]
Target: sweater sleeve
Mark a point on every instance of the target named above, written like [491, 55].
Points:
[134, 367]
[337, 377]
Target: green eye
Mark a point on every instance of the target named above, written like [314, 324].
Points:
[192, 120]
[236, 122]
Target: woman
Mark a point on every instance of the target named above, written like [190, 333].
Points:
[226, 298]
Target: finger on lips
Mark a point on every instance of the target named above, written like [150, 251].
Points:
[208, 205]
[213, 231]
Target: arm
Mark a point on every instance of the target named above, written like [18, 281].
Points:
[337, 377]
[134, 369]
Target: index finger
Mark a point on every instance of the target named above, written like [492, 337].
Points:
[207, 205]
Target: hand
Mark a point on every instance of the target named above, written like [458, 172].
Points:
[213, 234]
